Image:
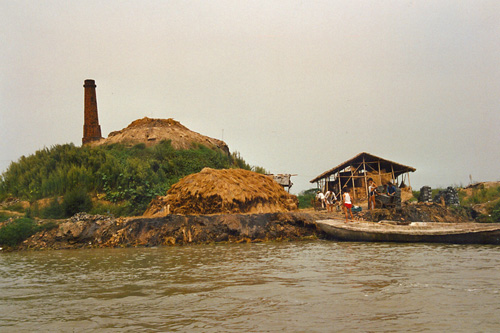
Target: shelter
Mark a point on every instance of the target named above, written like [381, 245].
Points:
[283, 179]
[354, 174]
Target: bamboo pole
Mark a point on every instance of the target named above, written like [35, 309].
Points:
[366, 183]
[379, 175]
[393, 178]
[353, 185]
[340, 184]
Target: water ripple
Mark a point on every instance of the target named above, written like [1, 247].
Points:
[302, 286]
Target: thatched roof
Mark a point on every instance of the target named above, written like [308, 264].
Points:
[368, 158]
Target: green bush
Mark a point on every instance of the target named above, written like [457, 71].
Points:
[4, 216]
[76, 201]
[20, 229]
[306, 197]
[53, 211]
[495, 212]
[129, 177]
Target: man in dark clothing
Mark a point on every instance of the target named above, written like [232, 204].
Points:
[391, 191]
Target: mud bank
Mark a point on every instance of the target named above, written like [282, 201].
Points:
[95, 231]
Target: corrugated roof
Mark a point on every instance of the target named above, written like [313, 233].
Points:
[398, 168]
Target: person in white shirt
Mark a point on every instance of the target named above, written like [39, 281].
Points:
[321, 198]
[330, 198]
[347, 204]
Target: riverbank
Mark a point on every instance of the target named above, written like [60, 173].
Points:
[97, 231]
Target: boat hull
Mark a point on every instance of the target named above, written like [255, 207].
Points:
[416, 232]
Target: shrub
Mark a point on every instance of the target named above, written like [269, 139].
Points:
[495, 213]
[16, 231]
[306, 197]
[76, 201]
[20, 229]
[53, 211]
[4, 216]
[134, 175]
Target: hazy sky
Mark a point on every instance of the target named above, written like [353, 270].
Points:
[294, 86]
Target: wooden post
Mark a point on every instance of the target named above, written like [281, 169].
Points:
[353, 185]
[392, 169]
[379, 175]
[366, 183]
[340, 184]
[409, 184]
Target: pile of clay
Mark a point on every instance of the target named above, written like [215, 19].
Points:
[223, 191]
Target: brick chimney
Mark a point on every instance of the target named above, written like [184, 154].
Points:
[91, 127]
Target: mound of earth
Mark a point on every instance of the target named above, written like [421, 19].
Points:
[152, 131]
[223, 191]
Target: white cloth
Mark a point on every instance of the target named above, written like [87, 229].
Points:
[347, 198]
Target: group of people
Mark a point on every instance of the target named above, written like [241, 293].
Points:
[330, 198]
[327, 199]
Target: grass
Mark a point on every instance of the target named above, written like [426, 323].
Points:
[482, 195]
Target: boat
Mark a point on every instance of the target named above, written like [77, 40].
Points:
[412, 232]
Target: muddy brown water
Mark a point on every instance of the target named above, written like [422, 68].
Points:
[309, 286]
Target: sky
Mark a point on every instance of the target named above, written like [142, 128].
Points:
[293, 86]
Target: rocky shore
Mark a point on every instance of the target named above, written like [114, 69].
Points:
[96, 231]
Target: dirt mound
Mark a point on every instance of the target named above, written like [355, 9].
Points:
[223, 191]
[152, 131]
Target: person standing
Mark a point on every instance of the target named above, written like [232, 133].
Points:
[347, 204]
[330, 198]
[372, 190]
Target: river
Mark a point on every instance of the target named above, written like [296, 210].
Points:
[309, 286]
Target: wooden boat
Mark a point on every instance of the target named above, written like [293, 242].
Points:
[422, 232]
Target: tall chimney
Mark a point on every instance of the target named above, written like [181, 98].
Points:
[91, 127]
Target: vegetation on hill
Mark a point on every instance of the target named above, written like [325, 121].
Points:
[306, 198]
[128, 178]
[485, 199]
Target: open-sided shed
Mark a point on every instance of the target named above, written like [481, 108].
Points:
[354, 174]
